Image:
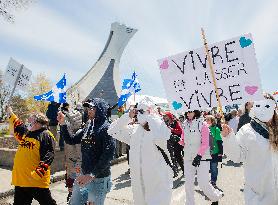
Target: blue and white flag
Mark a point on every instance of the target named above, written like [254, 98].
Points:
[135, 86]
[129, 86]
[57, 94]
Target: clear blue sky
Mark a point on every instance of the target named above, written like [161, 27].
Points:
[67, 36]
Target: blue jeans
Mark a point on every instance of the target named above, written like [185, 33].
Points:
[214, 171]
[97, 190]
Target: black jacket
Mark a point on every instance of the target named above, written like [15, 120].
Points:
[97, 147]
[244, 119]
[52, 112]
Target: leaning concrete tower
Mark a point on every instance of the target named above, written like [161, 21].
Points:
[103, 79]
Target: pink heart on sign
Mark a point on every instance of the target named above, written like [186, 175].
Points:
[251, 89]
[164, 64]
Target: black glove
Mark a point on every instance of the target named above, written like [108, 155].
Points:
[219, 158]
[196, 160]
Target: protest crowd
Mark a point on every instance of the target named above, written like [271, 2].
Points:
[161, 144]
[192, 135]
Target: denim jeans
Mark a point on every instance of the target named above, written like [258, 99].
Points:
[97, 190]
[214, 171]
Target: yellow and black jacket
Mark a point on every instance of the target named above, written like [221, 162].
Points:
[33, 157]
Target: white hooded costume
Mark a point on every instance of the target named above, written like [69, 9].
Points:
[151, 177]
[251, 147]
[196, 142]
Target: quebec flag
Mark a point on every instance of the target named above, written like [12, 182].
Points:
[129, 87]
[57, 94]
[135, 88]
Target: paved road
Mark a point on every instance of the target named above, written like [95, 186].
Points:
[230, 181]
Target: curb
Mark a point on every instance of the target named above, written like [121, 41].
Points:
[59, 176]
[6, 193]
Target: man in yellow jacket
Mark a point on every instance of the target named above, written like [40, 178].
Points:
[35, 153]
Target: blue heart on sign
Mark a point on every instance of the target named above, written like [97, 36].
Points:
[176, 105]
[245, 42]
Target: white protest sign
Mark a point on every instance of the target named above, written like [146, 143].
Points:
[17, 75]
[24, 78]
[12, 72]
[187, 77]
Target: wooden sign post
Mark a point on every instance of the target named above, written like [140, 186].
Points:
[212, 71]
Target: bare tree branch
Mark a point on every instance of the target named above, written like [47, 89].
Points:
[8, 7]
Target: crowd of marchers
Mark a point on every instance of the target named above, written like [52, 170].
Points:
[160, 145]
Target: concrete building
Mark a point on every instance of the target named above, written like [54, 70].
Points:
[103, 79]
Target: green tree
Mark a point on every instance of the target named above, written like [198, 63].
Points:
[39, 85]
[20, 108]
[4, 96]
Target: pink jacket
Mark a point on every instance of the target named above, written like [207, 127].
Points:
[204, 145]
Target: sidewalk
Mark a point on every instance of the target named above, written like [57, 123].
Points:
[231, 180]
[6, 189]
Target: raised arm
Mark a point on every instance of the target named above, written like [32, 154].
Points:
[16, 125]
[76, 138]
[120, 129]
[71, 140]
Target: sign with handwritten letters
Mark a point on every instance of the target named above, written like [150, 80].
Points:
[188, 81]
[12, 72]
[24, 78]
[17, 75]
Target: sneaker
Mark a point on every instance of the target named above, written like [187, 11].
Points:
[216, 187]
[213, 183]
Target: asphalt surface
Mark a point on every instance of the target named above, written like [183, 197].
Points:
[230, 180]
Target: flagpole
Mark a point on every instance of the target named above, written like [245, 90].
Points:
[212, 71]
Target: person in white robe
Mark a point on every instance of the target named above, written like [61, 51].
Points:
[256, 145]
[151, 176]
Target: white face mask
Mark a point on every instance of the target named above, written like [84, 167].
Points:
[263, 110]
[29, 125]
[142, 118]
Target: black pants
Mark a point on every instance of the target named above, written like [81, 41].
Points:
[178, 149]
[127, 153]
[25, 195]
[175, 150]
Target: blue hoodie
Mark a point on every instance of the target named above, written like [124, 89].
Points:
[97, 146]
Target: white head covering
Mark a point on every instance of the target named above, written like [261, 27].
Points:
[263, 110]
